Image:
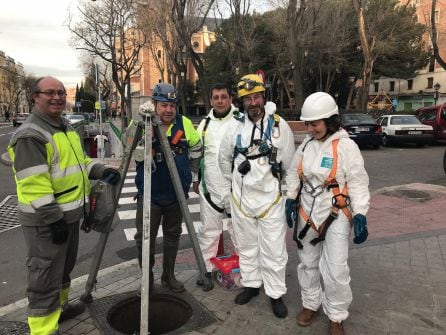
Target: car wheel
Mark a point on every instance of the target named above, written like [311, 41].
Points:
[386, 140]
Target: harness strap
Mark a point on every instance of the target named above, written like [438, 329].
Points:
[340, 200]
[263, 214]
[207, 195]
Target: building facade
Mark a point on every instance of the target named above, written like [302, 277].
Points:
[12, 96]
[428, 87]
[153, 69]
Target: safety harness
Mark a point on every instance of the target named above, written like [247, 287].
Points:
[340, 201]
[207, 195]
[265, 150]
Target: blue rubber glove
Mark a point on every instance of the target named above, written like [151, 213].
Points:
[290, 212]
[360, 229]
[111, 176]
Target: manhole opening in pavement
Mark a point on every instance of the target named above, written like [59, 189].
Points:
[13, 327]
[166, 313]
[8, 213]
[120, 313]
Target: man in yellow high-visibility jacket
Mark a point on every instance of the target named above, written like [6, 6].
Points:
[52, 175]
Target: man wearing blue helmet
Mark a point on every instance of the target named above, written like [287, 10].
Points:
[186, 147]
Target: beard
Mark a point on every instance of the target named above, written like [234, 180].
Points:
[256, 112]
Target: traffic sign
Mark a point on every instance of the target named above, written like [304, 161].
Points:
[78, 104]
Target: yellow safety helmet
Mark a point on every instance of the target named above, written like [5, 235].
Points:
[250, 83]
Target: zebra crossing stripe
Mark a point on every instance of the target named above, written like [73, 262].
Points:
[130, 232]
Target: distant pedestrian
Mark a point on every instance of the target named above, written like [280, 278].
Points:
[7, 117]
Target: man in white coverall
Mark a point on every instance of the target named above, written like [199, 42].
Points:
[212, 204]
[254, 152]
[328, 173]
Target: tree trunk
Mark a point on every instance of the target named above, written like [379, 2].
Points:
[367, 52]
[434, 37]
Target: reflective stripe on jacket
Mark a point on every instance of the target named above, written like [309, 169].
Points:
[187, 153]
[56, 174]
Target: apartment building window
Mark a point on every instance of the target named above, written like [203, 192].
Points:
[159, 53]
[410, 84]
[430, 82]
[392, 86]
[432, 63]
[376, 86]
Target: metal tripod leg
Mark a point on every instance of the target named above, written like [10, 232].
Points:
[167, 152]
[100, 247]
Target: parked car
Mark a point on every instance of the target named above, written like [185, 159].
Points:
[404, 129]
[76, 118]
[434, 116]
[19, 118]
[362, 129]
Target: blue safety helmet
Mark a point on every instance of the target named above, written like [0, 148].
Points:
[164, 92]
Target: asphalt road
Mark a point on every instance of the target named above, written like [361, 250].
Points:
[386, 167]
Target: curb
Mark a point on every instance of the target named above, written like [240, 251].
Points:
[5, 159]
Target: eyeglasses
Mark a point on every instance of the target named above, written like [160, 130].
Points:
[52, 93]
[249, 84]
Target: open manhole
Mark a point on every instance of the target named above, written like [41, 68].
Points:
[166, 314]
[120, 313]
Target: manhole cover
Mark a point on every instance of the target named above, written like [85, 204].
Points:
[8, 213]
[13, 327]
[409, 194]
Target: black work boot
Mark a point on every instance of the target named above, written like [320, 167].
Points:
[168, 277]
[200, 282]
[69, 311]
[247, 294]
[279, 308]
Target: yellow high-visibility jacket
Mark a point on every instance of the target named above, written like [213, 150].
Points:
[51, 171]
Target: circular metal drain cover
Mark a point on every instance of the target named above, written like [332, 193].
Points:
[166, 314]
[13, 328]
[409, 194]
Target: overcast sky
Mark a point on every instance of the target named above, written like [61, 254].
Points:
[33, 33]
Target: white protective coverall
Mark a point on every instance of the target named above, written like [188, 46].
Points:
[260, 239]
[328, 258]
[211, 219]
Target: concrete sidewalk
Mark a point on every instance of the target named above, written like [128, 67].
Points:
[398, 279]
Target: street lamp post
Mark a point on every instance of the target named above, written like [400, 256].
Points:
[437, 87]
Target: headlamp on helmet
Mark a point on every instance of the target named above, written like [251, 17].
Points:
[251, 83]
[164, 92]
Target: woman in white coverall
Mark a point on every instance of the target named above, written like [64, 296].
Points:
[317, 173]
[253, 153]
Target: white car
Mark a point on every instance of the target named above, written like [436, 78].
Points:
[404, 129]
[75, 118]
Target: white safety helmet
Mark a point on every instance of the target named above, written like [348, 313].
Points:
[317, 106]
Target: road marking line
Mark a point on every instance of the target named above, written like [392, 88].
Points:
[130, 232]
[132, 189]
[126, 201]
